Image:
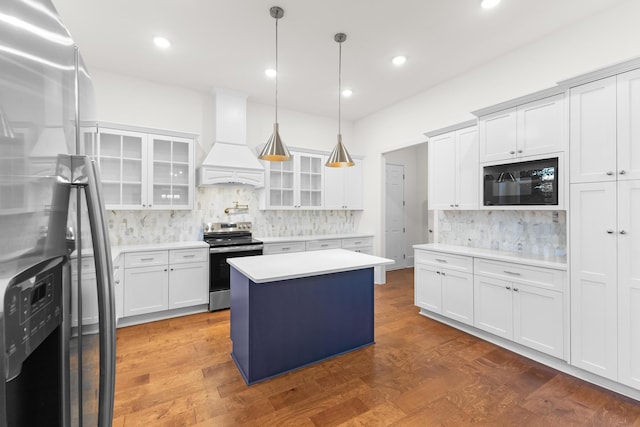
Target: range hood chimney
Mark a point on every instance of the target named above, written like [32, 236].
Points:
[230, 159]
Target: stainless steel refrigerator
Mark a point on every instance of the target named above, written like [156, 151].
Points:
[57, 327]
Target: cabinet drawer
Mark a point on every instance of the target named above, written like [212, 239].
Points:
[454, 262]
[357, 242]
[177, 256]
[279, 248]
[535, 276]
[316, 245]
[145, 259]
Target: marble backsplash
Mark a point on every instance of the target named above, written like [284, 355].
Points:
[146, 226]
[541, 233]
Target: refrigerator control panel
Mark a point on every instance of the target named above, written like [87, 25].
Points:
[33, 311]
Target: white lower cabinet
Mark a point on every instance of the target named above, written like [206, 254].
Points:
[517, 302]
[146, 290]
[163, 280]
[525, 314]
[188, 277]
[444, 285]
[363, 244]
[359, 244]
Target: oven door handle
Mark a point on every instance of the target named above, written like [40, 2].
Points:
[226, 249]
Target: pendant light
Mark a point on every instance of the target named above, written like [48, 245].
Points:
[275, 150]
[339, 156]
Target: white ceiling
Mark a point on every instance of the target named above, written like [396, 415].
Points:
[229, 43]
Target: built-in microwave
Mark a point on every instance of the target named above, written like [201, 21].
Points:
[530, 183]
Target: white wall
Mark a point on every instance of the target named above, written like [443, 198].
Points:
[593, 43]
[133, 101]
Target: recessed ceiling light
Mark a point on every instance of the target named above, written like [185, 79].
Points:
[488, 4]
[270, 72]
[161, 42]
[347, 93]
[399, 60]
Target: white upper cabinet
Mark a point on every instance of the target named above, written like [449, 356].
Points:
[605, 129]
[295, 184]
[593, 131]
[453, 170]
[141, 170]
[171, 173]
[628, 147]
[343, 187]
[530, 129]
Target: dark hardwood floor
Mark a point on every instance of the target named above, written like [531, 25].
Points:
[179, 372]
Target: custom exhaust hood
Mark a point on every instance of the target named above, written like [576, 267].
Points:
[230, 159]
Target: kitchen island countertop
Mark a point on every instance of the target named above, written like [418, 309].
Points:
[270, 268]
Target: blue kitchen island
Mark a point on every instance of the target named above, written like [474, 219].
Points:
[292, 310]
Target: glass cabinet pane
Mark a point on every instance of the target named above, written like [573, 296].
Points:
[180, 152]
[162, 150]
[110, 145]
[132, 147]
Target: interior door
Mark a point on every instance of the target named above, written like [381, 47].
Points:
[394, 215]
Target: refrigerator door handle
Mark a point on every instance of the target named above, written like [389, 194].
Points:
[106, 300]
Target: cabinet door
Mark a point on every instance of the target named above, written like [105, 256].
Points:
[146, 290]
[629, 282]
[280, 184]
[592, 131]
[457, 296]
[353, 186]
[629, 125]
[428, 288]
[334, 188]
[593, 265]
[123, 168]
[170, 172]
[442, 171]
[310, 185]
[498, 136]
[541, 126]
[538, 319]
[467, 180]
[188, 284]
[493, 306]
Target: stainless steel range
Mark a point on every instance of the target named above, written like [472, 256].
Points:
[226, 240]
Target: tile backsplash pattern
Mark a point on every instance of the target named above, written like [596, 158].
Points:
[146, 226]
[541, 233]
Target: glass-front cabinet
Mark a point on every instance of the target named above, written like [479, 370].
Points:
[170, 176]
[142, 170]
[296, 184]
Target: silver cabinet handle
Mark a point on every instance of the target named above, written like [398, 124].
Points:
[441, 260]
[189, 256]
[623, 232]
[165, 269]
[512, 273]
[609, 231]
[512, 152]
[443, 273]
[610, 173]
[515, 289]
[622, 172]
[286, 249]
[508, 288]
[324, 245]
[519, 151]
[451, 205]
[456, 205]
[437, 272]
[146, 259]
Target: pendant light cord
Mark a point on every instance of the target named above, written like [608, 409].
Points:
[339, 87]
[276, 70]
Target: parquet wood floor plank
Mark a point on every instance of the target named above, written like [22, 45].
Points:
[179, 372]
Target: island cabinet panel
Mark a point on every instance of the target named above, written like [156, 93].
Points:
[284, 325]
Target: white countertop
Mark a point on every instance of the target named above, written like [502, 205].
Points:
[117, 250]
[558, 263]
[271, 268]
[311, 237]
